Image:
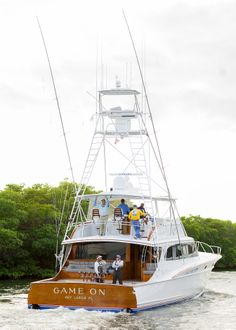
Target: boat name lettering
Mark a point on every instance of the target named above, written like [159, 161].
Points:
[79, 291]
[99, 292]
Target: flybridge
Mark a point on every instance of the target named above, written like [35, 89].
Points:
[123, 118]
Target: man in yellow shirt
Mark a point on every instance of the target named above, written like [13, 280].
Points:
[135, 216]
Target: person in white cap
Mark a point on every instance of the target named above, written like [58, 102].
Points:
[117, 266]
[99, 269]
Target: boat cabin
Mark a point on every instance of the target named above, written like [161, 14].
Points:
[140, 261]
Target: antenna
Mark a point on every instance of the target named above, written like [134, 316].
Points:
[96, 97]
[144, 73]
[101, 63]
[58, 104]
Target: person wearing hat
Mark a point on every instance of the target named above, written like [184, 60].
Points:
[103, 212]
[99, 269]
[117, 266]
[135, 216]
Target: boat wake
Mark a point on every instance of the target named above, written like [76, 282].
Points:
[215, 295]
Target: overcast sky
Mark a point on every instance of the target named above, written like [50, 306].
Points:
[188, 50]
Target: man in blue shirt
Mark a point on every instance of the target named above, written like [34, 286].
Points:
[124, 207]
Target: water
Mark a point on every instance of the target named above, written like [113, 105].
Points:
[215, 309]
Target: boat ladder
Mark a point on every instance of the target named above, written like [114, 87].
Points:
[89, 165]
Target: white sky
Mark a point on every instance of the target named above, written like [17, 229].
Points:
[189, 52]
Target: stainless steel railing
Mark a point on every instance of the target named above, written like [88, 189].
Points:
[204, 247]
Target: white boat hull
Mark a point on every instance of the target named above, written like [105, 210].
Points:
[151, 295]
[188, 282]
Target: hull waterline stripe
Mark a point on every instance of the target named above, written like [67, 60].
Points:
[119, 309]
[105, 309]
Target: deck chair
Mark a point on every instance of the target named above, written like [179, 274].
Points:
[117, 214]
[95, 214]
[118, 217]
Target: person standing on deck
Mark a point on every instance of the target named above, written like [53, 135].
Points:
[141, 208]
[103, 212]
[124, 207]
[99, 269]
[117, 266]
[135, 216]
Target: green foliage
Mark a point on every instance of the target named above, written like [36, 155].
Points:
[31, 223]
[214, 232]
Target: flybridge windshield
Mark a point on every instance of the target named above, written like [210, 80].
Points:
[118, 103]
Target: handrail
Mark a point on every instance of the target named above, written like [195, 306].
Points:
[121, 227]
[112, 227]
[213, 248]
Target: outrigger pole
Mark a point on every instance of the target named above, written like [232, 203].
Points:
[58, 105]
[160, 163]
[65, 139]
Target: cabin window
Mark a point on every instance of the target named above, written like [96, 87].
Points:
[169, 254]
[179, 251]
[106, 249]
[192, 251]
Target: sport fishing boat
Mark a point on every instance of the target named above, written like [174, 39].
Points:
[163, 265]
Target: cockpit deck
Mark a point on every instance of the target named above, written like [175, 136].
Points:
[106, 282]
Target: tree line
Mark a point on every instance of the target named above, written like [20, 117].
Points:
[32, 225]
[214, 232]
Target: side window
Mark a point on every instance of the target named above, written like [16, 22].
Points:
[159, 253]
[178, 251]
[192, 250]
[181, 251]
[185, 250]
[169, 254]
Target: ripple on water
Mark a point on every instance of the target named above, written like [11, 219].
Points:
[5, 300]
